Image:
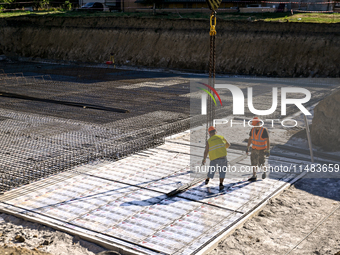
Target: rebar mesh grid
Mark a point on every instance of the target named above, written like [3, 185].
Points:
[56, 117]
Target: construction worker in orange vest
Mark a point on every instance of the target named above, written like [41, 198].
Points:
[259, 139]
[216, 147]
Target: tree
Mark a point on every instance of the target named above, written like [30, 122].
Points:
[40, 4]
[67, 6]
[6, 4]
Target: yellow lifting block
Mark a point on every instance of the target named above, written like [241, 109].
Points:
[212, 26]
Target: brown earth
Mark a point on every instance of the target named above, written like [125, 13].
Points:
[20, 251]
[261, 48]
[299, 214]
[325, 129]
[18, 236]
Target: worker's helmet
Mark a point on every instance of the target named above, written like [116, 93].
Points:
[210, 129]
[255, 121]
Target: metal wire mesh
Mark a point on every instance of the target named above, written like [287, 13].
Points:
[55, 117]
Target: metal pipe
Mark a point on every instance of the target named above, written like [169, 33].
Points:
[309, 139]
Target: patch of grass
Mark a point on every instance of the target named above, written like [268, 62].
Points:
[26, 13]
[309, 18]
[268, 17]
[13, 14]
[250, 16]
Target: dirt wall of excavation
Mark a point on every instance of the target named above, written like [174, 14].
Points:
[261, 48]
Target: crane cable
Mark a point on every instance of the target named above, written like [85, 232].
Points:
[212, 63]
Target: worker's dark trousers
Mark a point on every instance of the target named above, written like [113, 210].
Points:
[218, 165]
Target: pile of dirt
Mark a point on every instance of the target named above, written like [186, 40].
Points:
[244, 47]
[326, 122]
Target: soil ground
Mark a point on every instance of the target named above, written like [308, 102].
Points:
[23, 237]
[289, 218]
[243, 47]
[18, 251]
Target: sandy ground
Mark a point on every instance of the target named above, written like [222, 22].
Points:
[17, 251]
[288, 219]
[33, 238]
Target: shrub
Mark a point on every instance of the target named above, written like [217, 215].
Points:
[41, 4]
[67, 6]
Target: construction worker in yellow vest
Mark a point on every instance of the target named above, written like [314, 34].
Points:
[259, 139]
[216, 147]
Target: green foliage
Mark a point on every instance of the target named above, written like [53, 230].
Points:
[6, 4]
[41, 4]
[53, 9]
[67, 6]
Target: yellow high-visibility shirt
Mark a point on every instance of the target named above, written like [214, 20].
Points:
[217, 147]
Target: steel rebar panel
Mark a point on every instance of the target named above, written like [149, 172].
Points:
[125, 202]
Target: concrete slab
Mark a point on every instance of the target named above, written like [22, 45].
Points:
[125, 202]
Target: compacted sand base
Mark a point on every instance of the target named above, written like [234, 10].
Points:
[288, 219]
[18, 251]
